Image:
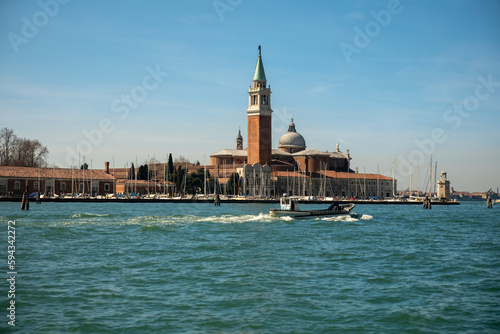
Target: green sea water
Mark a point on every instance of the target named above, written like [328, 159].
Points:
[196, 268]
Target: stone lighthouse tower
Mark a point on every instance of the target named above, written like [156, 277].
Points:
[443, 187]
[259, 117]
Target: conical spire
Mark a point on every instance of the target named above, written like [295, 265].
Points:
[239, 141]
[259, 75]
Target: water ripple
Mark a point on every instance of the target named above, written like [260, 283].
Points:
[196, 268]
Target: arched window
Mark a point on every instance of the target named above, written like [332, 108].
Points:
[17, 185]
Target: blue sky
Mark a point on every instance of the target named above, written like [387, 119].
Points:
[382, 78]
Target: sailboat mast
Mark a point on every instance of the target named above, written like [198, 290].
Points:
[394, 177]
[378, 182]
[435, 178]
[418, 179]
[430, 178]
[205, 176]
[185, 178]
[364, 181]
[72, 182]
[114, 177]
[83, 176]
[155, 174]
[411, 165]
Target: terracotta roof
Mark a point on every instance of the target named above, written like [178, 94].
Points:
[285, 174]
[334, 174]
[144, 182]
[345, 175]
[50, 173]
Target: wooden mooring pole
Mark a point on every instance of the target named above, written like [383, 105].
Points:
[25, 203]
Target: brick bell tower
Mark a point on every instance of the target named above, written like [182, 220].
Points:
[259, 117]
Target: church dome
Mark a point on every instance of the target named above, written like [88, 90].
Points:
[292, 141]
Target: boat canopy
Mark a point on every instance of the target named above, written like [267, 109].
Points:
[289, 203]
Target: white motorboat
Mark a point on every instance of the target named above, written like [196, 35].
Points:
[289, 206]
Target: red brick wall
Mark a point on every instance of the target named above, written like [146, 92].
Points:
[317, 164]
[259, 139]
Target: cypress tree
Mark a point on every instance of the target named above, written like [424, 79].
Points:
[170, 167]
[180, 177]
[143, 172]
[132, 172]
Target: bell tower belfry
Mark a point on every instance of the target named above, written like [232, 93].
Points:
[239, 141]
[259, 117]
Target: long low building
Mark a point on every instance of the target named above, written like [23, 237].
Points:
[55, 181]
[333, 184]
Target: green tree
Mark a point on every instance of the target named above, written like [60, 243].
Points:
[195, 182]
[142, 174]
[179, 178]
[131, 173]
[170, 166]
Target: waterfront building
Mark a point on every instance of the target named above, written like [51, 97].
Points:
[332, 184]
[55, 181]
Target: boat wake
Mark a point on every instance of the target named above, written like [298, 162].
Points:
[231, 219]
[346, 218]
[158, 220]
[90, 215]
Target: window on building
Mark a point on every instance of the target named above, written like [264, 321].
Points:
[106, 187]
[264, 99]
[80, 187]
[254, 99]
[17, 185]
[35, 185]
[62, 186]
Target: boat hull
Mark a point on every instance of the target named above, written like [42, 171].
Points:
[311, 213]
